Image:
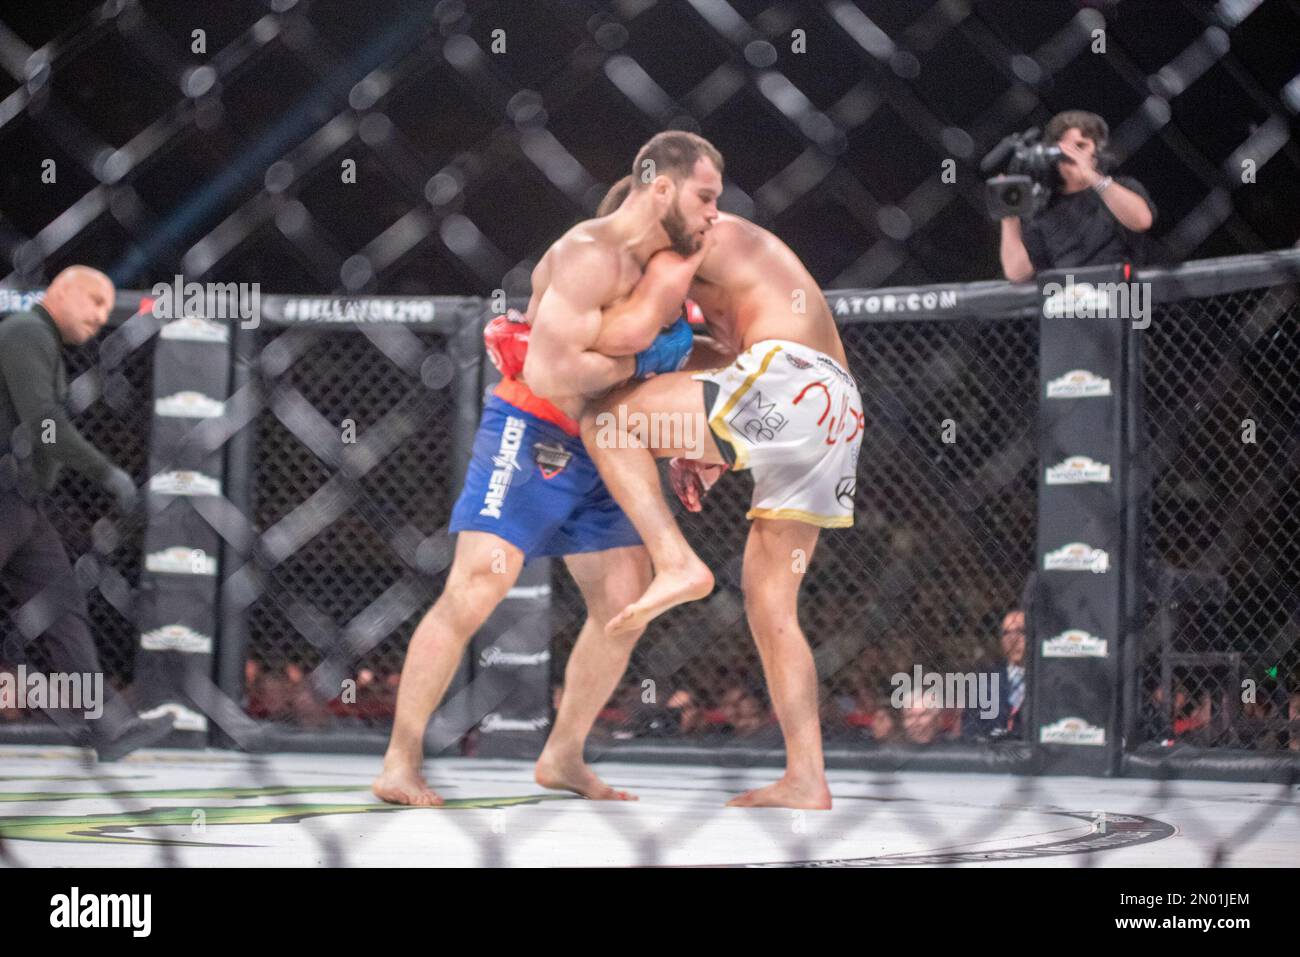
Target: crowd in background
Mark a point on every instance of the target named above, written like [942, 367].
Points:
[858, 704]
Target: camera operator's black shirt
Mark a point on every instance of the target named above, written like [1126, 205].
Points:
[1076, 229]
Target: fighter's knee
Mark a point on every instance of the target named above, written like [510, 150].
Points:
[473, 594]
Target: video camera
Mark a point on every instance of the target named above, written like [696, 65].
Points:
[1023, 190]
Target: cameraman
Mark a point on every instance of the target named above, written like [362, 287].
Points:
[1090, 219]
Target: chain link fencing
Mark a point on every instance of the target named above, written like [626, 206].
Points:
[1221, 662]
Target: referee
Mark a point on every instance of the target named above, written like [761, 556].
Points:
[36, 439]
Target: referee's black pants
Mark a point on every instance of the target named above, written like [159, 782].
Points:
[35, 569]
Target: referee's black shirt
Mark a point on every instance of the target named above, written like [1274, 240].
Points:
[34, 423]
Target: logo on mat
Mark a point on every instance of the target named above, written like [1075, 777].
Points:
[551, 458]
[1074, 643]
[846, 489]
[505, 463]
[1077, 470]
[1077, 557]
[1078, 384]
[1071, 731]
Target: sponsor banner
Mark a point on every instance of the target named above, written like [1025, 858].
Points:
[1074, 643]
[184, 718]
[189, 405]
[1078, 384]
[1077, 557]
[1072, 731]
[529, 591]
[496, 723]
[194, 329]
[344, 309]
[1081, 512]
[902, 301]
[19, 300]
[180, 560]
[1077, 470]
[492, 656]
[510, 683]
[180, 638]
[184, 483]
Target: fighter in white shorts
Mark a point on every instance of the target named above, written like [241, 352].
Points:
[786, 409]
[793, 417]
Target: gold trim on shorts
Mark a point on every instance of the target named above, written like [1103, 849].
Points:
[798, 515]
[718, 422]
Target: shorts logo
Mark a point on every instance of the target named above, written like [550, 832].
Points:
[757, 420]
[846, 490]
[505, 463]
[796, 361]
[551, 458]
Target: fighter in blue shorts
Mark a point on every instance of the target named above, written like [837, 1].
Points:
[601, 312]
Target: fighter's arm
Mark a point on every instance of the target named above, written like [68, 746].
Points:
[656, 300]
[561, 359]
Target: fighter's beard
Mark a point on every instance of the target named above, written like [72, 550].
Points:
[681, 241]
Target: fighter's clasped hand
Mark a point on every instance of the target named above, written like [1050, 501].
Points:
[506, 339]
[691, 479]
[669, 351]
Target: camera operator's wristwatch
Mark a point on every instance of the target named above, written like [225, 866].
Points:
[1102, 184]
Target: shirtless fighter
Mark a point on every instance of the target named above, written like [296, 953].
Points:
[531, 489]
[787, 410]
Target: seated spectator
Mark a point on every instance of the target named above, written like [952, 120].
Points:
[1011, 677]
[687, 712]
[884, 724]
[743, 709]
[922, 723]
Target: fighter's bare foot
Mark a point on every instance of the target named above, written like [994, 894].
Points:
[813, 795]
[561, 774]
[669, 588]
[403, 785]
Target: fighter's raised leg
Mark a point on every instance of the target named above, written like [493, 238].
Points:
[624, 434]
[484, 569]
[609, 580]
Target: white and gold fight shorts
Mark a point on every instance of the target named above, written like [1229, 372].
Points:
[793, 417]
